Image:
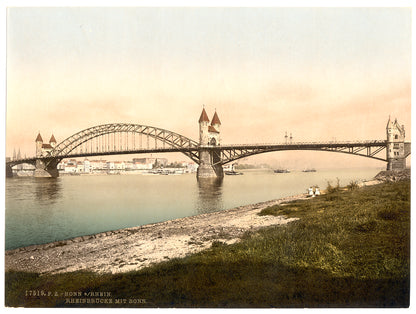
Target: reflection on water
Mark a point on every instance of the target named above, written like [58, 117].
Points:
[47, 190]
[209, 195]
[41, 210]
[31, 209]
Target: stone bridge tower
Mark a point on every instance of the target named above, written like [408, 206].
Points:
[43, 150]
[396, 154]
[209, 138]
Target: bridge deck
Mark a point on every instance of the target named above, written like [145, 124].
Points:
[332, 145]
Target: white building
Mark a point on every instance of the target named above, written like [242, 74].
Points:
[142, 164]
[119, 165]
[70, 168]
[129, 165]
[110, 165]
[80, 166]
[97, 165]
[87, 166]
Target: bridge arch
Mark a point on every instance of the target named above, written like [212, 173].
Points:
[174, 140]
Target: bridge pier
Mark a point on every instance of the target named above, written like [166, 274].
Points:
[396, 164]
[46, 170]
[207, 167]
[9, 171]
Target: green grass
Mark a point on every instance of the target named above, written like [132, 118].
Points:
[348, 249]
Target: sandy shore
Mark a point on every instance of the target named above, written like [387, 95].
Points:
[134, 248]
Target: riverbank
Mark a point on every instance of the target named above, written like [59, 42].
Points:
[138, 247]
[347, 248]
[134, 248]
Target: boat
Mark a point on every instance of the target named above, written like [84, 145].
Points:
[232, 173]
[281, 171]
[309, 170]
[164, 172]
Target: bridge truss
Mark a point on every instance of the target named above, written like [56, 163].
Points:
[368, 149]
[122, 138]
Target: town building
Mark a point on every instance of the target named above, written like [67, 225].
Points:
[148, 163]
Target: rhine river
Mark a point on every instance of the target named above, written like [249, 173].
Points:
[42, 210]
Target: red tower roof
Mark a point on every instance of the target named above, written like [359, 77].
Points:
[215, 119]
[39, 138]
[212, 129]
[203, 117]
[52, 140]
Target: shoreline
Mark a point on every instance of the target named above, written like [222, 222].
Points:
[134, 248]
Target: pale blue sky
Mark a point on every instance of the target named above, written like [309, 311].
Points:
[313, 71]
[210, 35]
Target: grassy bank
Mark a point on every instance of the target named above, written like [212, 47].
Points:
[348, 249]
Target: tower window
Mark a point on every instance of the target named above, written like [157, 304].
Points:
[396, 137]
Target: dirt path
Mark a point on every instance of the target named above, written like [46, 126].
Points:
[134, 248]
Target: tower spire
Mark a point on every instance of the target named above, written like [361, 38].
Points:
[39, 138]
[204, 116]
[52, 140]
[215, 119]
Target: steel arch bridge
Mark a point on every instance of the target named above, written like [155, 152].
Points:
[127, 138]
[122, 138]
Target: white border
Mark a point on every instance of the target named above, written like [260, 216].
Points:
[182, 3]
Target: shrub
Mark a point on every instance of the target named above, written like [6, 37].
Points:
[333, 189]
[352, 186]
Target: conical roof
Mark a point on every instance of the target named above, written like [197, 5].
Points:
[389, 123]
[52, 140]
[203, 117]
[39, 138]
[215, 119]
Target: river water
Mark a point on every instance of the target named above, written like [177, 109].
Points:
[42, 210]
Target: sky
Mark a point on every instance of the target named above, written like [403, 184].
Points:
[318, 73]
